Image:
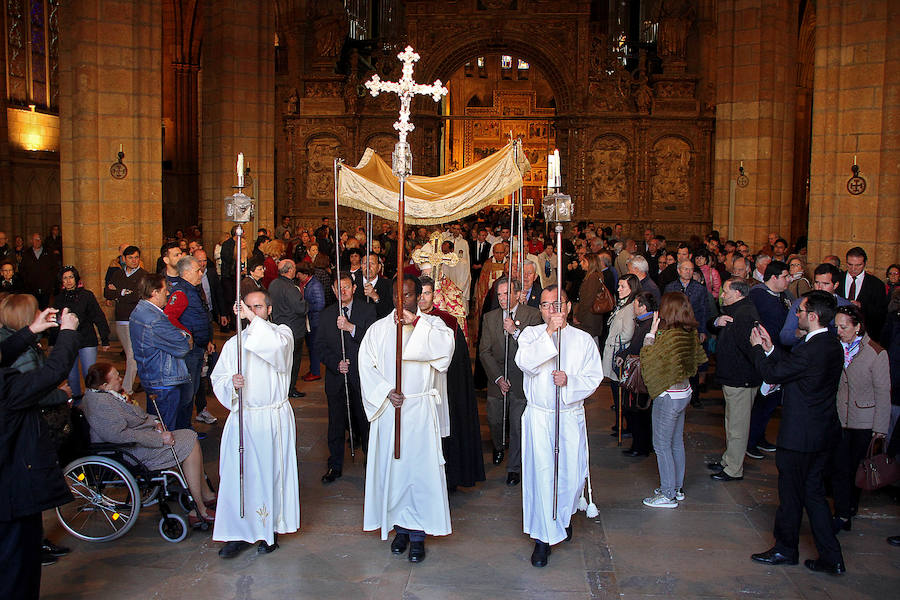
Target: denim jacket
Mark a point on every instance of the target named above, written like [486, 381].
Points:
[159, 347]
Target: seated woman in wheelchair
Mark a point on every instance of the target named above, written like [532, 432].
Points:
[114, 419]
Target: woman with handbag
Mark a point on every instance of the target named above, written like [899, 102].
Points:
[863, 406]
[592, 288]
[636, 408]
[671, 355]
[620, 327]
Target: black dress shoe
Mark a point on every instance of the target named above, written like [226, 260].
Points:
[48, 559]
[569, 533]
[54, 550]
[839, 523]
[265, 548]
[714, 466]
[723, 476]
[634, 453]
[498, 456]
[820, 566]
[766, 446]
[894, 540]
[512, 478]
[416, 552]
[296, 394]
[774, 557]
[399, 544]
[330, 475]
[232, 549]
[540, 554]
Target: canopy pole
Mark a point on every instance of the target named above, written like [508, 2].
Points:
[337, 262]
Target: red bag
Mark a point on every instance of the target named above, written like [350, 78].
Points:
[876, 470]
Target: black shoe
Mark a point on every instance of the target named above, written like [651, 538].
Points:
[634, 453]
[512, 478]
[296, 394]
[54, 550]
[48, 559]
[894, 540]
[265, 548]
[766, 446]
[330, 475]
[498, 456]
[416, 552]
[715, 466]
[569, 533]
[820, 566]
[754, 452]
[696, 402]
[723, 476]
[540, 554]
[232, 549]
[401, 541]
[774, 557]
[840, 523]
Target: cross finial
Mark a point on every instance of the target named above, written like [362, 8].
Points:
[406, 88]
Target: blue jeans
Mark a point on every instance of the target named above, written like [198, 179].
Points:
[668, 442]
[168, 400]
[194, 362]
[87, 357]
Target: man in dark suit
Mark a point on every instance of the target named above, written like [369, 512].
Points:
[865, 291]
[809, 427]
[498, 326]
[531, 287]
[376, 290]
[479, 252]
[38, 271]
[349, 323]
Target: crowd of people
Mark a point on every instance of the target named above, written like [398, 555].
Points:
[662, 323]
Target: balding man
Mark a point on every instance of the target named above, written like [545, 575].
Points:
[289, 308]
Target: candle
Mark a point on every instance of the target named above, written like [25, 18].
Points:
[240, 169]
[854, 160]
[120, 148]
[742, 164]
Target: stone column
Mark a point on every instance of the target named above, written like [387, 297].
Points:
[856, 101]
[238, 110]
[109, 77]
[755, 92]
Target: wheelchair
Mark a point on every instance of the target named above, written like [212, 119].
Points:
[110, 486]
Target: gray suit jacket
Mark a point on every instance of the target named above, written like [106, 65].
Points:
[492, 348]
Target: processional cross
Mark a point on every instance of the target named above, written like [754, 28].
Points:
[401, 166]
[431, 254]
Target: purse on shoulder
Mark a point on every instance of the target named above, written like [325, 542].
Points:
[603, 301]
[632, 380]
[877, 470]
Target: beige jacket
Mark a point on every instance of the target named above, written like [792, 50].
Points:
[864, 394]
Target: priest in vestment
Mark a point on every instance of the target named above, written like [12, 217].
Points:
[491, 271]
[408, 494]
[461, 272]
[462, 448]
[580, 373]
[271, 483]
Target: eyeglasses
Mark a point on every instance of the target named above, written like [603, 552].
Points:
[549, 305]
[801, 310]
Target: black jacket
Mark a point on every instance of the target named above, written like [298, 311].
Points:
[734, 355]
[288, 305]
[809, 375]
[31, 479]
[873, 302]
[385, 303]
[83, 303]
[328, 339]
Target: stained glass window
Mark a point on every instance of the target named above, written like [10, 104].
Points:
[32, 52]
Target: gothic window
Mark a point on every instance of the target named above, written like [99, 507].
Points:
[506, 62]
[32, 52]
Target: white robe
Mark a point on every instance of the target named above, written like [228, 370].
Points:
[410, 492]
[461, 273]
[536, 357]
[271, 483]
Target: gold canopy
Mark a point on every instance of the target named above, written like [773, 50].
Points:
[372, 187]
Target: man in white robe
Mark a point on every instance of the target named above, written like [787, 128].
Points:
[579, 375]
[408, 494]
[461, 272]
[271, 484]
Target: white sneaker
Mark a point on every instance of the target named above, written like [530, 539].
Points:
[204, 416]
[660, 501]
[679, 493]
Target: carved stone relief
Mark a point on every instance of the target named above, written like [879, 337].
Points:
[671, 170]
[383, 145]
[321, 152]
[608, 173]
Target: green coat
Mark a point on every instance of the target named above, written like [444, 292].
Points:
[674, 356]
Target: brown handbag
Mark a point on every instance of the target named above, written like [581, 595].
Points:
[877, 470]
[632, 379]
[603, 301]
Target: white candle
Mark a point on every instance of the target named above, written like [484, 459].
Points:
[854, 160]
[557, 182]
[120, 148]
[240, 169]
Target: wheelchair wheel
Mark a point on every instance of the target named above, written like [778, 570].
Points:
[107, 499]
[184, 500]
[173, 528]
